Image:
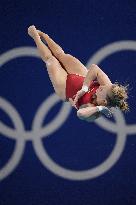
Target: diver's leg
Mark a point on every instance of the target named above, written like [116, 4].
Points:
[56, 73]
[70, 63]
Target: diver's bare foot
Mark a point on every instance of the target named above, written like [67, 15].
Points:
[42, 34]
[33, 32]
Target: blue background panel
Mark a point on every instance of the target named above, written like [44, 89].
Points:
[48, 155]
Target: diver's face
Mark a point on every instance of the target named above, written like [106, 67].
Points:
[102, 92]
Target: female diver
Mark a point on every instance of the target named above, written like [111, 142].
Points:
[90, 90]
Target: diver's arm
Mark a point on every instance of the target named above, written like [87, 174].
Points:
[102, 78]
[91, 75]
[87, 112]
[90, 118]
[95, 72]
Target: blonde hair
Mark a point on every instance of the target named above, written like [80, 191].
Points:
[119, 97]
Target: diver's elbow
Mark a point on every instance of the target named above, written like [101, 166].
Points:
[79, 113]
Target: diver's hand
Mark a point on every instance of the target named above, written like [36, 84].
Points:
[79, 94]
[104, 110]
[72, 103]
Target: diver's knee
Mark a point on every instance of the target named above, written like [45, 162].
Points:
[50, 60]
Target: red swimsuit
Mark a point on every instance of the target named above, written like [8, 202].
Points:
[74, 83]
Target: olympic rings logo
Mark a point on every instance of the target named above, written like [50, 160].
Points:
[37, 132]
